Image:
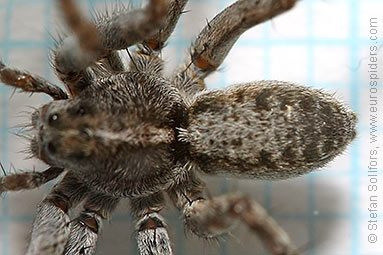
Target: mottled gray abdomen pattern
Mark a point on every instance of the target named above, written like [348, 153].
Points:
[267, 129]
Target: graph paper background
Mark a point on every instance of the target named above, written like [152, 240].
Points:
[324, 44]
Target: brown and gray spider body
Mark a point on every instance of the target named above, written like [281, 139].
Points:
[129, 132]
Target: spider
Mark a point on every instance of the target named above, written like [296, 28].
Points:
[126, 131]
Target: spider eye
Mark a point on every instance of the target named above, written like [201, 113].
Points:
[53, 118]
[77, 111]
[80, 111]
[51, 147]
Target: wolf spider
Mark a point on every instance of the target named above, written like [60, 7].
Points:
[126, 131]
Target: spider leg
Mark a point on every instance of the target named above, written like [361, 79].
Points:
[114, 62]
[157, 42]
[28, 180]
[152, 235]
[91, 42]
[210, 218]
[219, 35]
[217, 215]
[29, 83]
[51, 227]
[86, 227]
[146, 58]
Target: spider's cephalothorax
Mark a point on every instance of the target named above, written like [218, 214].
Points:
[128, 131]
[120, 133]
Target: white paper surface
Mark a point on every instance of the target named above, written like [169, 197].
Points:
[324, 44]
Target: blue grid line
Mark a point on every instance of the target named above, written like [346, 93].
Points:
[291, 41]
[267, 189]
[224, 184]
[245, 42]
[354, 44]
[345, 173]
[4, 135]
[310, 80]
[278, 216]
[355, 164]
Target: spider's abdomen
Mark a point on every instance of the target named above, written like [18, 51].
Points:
[267, 129]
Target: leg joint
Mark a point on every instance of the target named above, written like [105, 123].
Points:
[60, 201]
[150, 221]
[91, 220]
